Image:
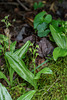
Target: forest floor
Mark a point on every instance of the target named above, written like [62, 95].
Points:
[50, 87]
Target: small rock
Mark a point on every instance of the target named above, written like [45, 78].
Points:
[20, 37]
[21, 33]
[31, 38]
[45, 47]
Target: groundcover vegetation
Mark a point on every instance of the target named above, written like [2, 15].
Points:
[21, 78]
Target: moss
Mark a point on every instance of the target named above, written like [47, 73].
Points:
[56, 84]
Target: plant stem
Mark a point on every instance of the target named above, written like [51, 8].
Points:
[34, 69]
[40, 65]
[35, 86]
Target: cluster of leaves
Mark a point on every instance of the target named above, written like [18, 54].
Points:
[41, 23]
[15, 63]
[44, 24]
[38, 5]
[14, 58]
[33, 50]
[6, 21]
[4, 44]
[60, 37]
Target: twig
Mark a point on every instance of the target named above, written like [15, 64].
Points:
[23, 5]
[9, 3]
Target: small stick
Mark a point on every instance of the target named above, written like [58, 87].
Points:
[50, 87]
[23, 5]
[9, 3]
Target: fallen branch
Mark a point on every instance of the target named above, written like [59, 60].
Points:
[23, 5]
[9, 3]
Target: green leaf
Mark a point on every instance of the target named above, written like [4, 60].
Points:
[59, 52]
[48, 19]
[3, 38]
[6, 17]
[35, 6]
[0, 51]
[38, 19]
[59, 38]
[44, 71]
[65, 98]
[1, 48]
[44, 33]
[41, 27]
[12, 46]
[2, 76]
[11, 72]
[19, 66]
[27, 96]
[9, 24]
[22, 51]
[3, 20]
[40, 5]
[4, 95]
[56, 23]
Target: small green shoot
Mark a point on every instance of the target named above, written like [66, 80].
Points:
[6, 21]
[33, 49]
[38, 5]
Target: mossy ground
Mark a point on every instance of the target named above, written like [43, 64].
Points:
[50, 87]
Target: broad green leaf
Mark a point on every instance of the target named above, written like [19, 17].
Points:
[48, 19]
[41, 27]
[4, 95]
[60, 40]
[45, 70]
[59, 52]
[44, 33]
[38, 19]
[56, 23]
[18, 65]
[22, 51]
[27, 96]
[12, 46]
[2, 76]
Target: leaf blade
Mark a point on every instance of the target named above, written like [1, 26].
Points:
[2, 76]
[21, 52]
[18, 65]
[4, 95]
[45, 70]
[27, 96]
[59, 52]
